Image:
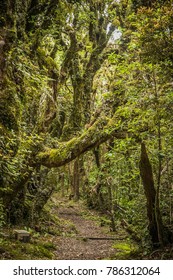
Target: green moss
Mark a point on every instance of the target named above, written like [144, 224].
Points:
[67, 132]
[22, 251]
[49, 245]
[125, 250]
[39, 250]
[123, 246]
[63, 152]
[7, 117]
[57, 154]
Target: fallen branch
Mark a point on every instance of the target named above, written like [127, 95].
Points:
[69, 214]
[99, 238]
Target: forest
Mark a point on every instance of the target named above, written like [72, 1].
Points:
[86, 129]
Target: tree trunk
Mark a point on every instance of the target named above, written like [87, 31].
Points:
[62, 176]
[76, 179]
[150, 193]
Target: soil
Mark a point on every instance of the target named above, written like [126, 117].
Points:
[88, 239]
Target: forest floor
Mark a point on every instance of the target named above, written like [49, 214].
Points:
[69, 230]
[89, 236]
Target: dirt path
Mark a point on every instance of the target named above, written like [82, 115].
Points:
[78, 244]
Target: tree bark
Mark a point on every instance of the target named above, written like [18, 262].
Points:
[150, 193]
[76, 179]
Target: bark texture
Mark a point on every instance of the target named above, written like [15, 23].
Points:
[150, 192]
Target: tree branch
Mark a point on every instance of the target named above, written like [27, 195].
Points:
[101, 131]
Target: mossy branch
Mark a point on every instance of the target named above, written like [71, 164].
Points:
[98, 133]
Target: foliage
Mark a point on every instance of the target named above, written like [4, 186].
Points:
[70, 84]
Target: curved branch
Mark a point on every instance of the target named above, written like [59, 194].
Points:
[101, 131]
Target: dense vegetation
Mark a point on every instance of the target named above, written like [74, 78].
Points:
[86, 96]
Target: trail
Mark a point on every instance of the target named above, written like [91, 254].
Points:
[88, 240]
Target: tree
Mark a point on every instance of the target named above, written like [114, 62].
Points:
[40, 64]
[67, 86]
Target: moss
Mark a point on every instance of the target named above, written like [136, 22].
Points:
[47, 60]
[61, 153]
[125, 250]
[123, 246]
[67, 151]
[49, 245]
[57, 154]
[67, 132]
[7, 116]
[22, 251]
[39, 250]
